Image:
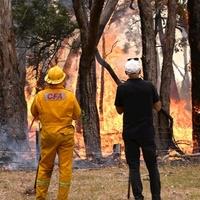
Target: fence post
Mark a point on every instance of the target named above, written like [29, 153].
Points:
[117, 151]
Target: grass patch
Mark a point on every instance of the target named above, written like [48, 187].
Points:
[180, 182]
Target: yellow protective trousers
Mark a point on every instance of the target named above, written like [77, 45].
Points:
[61, 144]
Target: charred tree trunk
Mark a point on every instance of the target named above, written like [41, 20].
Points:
[13, 116]
[194, 40]
[166, 75]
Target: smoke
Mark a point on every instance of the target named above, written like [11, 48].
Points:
[16, 154]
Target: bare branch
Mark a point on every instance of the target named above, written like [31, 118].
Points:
[108, 67]
[81, 18]
[95, 14]
[113, 46]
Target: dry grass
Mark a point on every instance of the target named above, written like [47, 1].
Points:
[178, 183]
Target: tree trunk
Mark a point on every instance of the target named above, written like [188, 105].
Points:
[174, 94]
[148, 41]
[102, 80]
[87, 75]
[194, 40]
[13, 116]
[90, 118]
[166, 75]
[149, 55]
[73, 53]
[186, 83]
[91, 28]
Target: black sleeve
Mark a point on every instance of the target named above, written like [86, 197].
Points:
[155, 94]
[119, 97]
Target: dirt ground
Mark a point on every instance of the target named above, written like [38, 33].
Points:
[179, 182]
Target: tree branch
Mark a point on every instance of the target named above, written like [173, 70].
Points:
[81, 17]
[115, 43]
[106, 14]
[95, 14]
[108, 67]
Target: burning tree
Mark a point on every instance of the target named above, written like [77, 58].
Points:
[194, 40]
[13, 116]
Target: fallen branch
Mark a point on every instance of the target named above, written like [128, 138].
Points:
[188, 155]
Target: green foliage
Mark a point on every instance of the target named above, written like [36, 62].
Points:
[41, 20]
[41, 25]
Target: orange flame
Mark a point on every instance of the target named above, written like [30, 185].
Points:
[181, 113]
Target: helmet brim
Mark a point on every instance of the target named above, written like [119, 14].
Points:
[54, 82]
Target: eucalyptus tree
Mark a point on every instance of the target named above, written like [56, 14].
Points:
[167, 72]
[149, 58]
[92, 17]
[13, 115]
[40, 28]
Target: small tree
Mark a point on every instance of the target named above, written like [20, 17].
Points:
[41, 26]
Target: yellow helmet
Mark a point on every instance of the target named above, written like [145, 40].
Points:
[55, 75]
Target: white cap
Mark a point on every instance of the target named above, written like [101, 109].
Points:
[133, 66]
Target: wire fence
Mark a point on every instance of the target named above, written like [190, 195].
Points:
[27, 160]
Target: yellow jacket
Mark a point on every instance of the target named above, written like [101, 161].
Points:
[56, 108]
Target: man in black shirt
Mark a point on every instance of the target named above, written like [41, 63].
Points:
[136, 99]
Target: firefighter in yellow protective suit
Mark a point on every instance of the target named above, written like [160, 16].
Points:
[55, 107]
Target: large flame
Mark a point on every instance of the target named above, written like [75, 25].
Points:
[111, 122]
[181, 113]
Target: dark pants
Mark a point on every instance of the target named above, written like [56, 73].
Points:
[132, 152]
